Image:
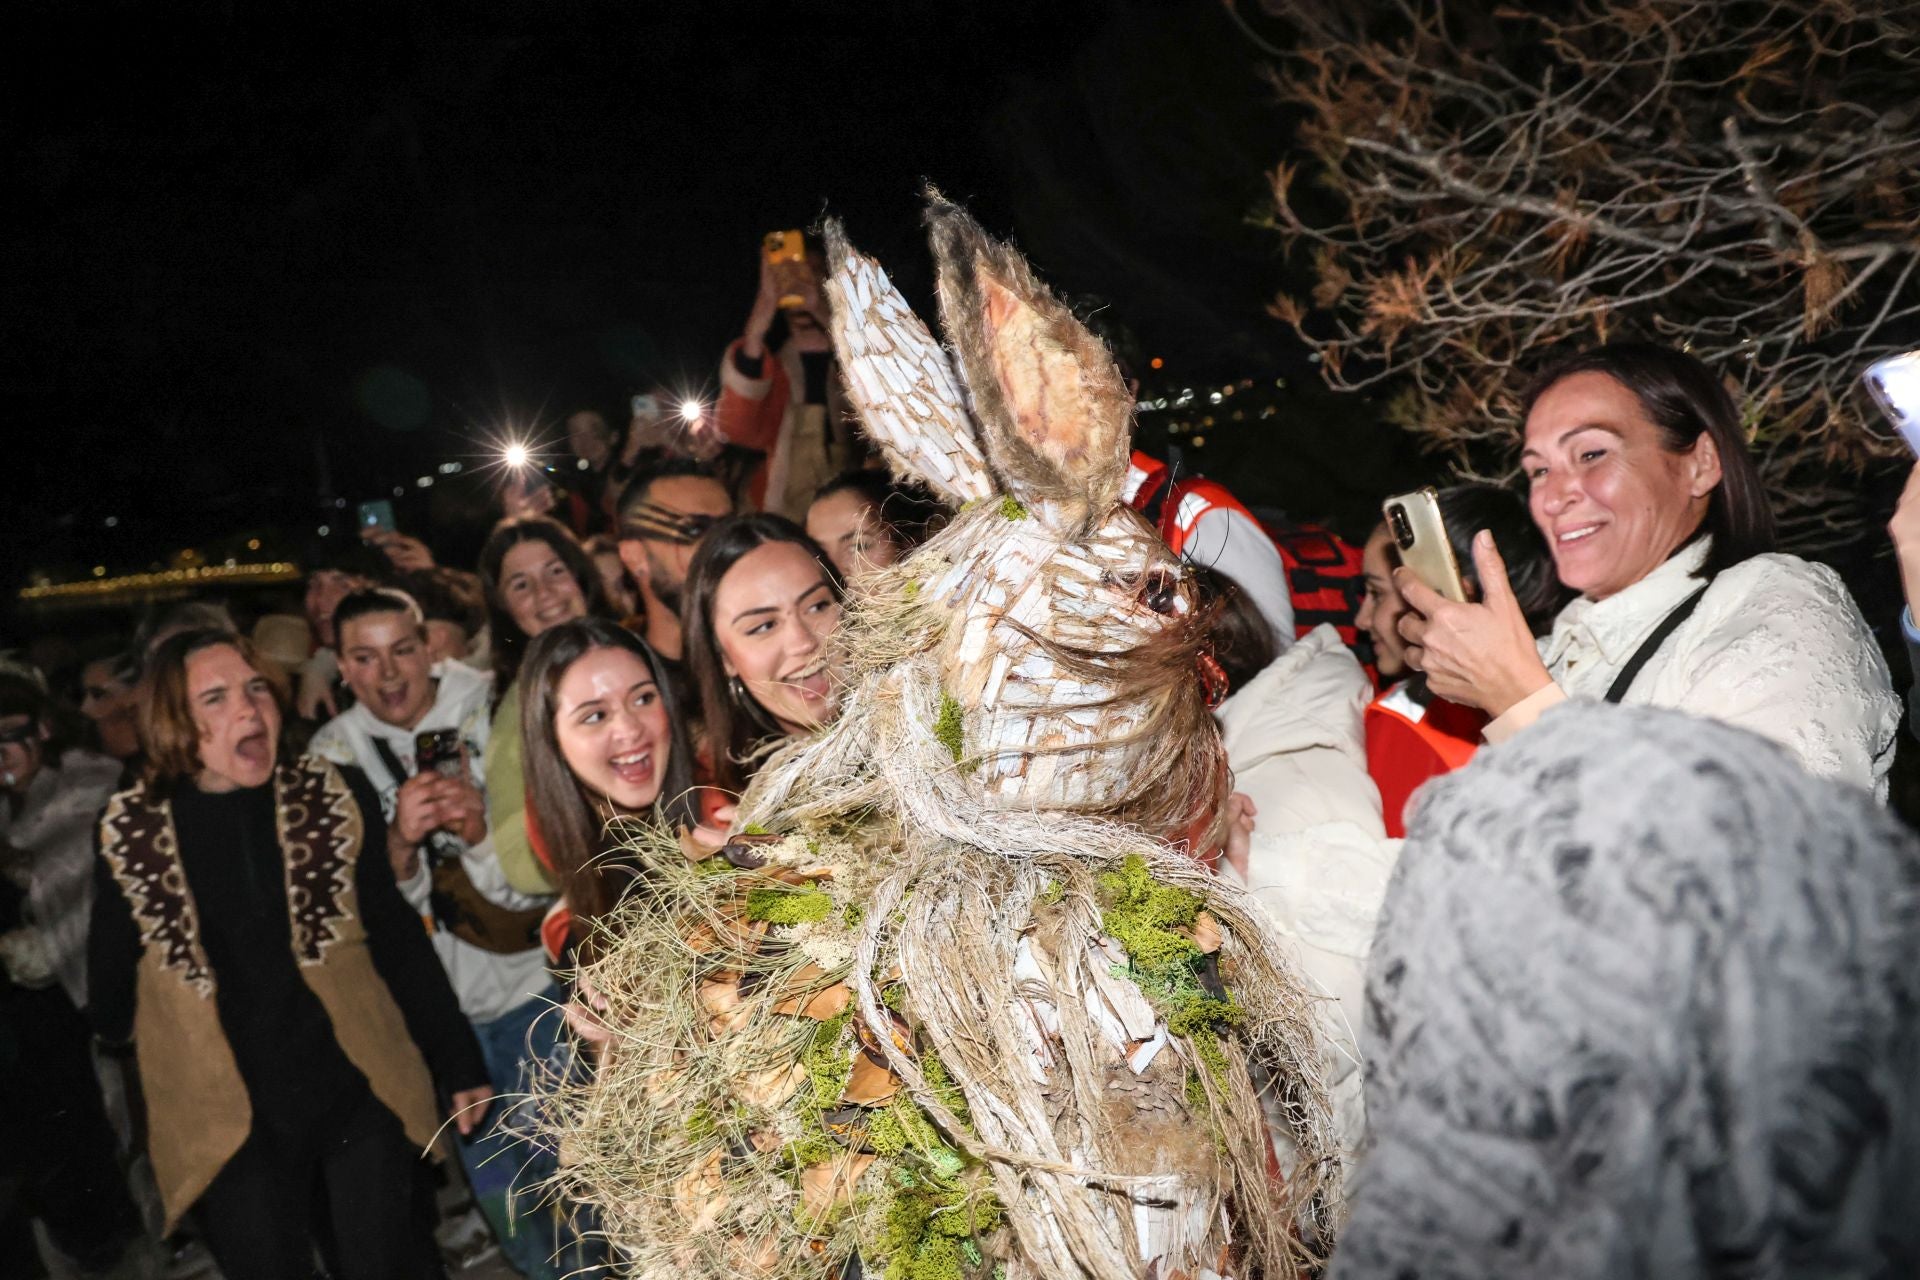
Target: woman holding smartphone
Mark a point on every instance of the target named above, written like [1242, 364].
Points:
[1639, 478]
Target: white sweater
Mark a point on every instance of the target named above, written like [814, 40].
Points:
[1776, 645]
[488, 983]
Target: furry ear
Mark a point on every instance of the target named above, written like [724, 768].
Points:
[899, 379]
[1054, 413]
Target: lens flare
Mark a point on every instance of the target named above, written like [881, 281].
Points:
[691, 411]
[514, 455]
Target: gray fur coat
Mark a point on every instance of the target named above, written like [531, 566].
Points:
[1644, 1002]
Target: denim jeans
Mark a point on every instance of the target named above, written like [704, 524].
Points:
[506, 1160]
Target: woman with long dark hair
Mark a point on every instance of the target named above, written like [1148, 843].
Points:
[761, 600]
[601, 741]
[536, 576]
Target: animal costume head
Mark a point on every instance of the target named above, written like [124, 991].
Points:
[1047, 629]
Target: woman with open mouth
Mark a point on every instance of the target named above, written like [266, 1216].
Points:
[762, 599]
[299, 1042]
[603, 743]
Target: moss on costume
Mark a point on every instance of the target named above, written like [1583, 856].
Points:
[950, 727]
[788, 906]
[1154, 923]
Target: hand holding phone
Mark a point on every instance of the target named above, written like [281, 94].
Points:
[1478, 655]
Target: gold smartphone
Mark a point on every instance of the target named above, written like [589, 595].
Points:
[1414, 524]
[786, 253]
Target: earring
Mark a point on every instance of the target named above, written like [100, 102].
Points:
[737, 691]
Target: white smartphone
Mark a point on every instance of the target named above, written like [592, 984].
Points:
[1895, 386]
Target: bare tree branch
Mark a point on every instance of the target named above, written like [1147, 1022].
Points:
[1741, 177]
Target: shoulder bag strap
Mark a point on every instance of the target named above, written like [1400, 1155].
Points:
[392, 762]
[1651, 645]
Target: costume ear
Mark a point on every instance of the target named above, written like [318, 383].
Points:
[1054, 412]
[899, 379]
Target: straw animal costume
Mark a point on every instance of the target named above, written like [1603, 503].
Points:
[951, 1002]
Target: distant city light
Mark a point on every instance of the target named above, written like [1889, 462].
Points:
[425, 482]
[113, 522]
[399, 491]
[253, 544]
[1156, 363]
[99, 571]
[324, 531]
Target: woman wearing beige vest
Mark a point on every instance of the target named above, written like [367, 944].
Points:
[289, 1015]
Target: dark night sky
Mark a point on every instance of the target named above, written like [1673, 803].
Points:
[242, 239]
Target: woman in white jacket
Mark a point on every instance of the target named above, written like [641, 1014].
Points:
[1653, 511]
[1639, 476]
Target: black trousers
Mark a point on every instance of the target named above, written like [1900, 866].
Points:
[348, 1186]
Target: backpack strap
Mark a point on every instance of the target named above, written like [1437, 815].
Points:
[1651, 645]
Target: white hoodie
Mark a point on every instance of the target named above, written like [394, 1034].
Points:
[488, 983]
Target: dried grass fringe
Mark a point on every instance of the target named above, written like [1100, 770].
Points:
[948, 886]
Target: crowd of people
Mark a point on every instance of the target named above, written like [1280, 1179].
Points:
[287, 903]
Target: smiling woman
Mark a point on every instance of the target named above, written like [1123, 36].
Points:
[602, 740]
[761, 600]
[536, 576]
[1640, 480]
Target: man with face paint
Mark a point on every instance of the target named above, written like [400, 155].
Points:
[663, 516]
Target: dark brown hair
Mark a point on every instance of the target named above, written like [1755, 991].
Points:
[734, 726]
[1238, 634]
[1683, 398]
[907, 511]
[167, 728]
[509, 641]
[1469, 508]
[570, 827]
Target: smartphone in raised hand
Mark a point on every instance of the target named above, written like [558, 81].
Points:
[1895, 385]
[377, 515]
[786, 254]
[1419, 533]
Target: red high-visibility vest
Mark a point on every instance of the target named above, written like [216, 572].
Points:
[1323, 570]
[1408, 743]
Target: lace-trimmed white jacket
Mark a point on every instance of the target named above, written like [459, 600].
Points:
[1776, 645]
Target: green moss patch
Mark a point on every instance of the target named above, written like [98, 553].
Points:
[950, 726]
[788, 906]
[1152, 921]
